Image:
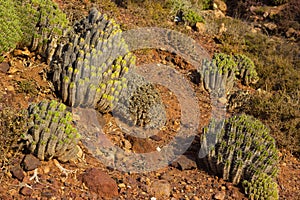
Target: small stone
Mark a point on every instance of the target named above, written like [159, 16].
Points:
[220, 5]
[188, 28]
[222, 100]
[200, 27]
[17, 172]
[155, 138]
[290, 32]
[4, 67]
[223, 188]
[161, 189]
[122, 185]
[220, 195]
[26, 191]
[185, 162]
[270, 26]
[194, 198]
[100, 183]
[10, 88]
[30, 162]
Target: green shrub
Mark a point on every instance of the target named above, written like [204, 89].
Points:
[50, 132]
[261, 186]
[10, 26]
[36, 24]
[238, 148]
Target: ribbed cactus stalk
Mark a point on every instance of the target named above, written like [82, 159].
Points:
[88, 70]
[219, 74]
[140, 103]
[246, 69]
[260, 187]
[238, 148]
[50, 133]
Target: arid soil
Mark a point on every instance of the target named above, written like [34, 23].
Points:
[23, 80]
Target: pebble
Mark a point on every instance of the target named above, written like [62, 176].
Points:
[26, 191]
[17, 172]
[220, 195]
[161, 189]
[30, 162]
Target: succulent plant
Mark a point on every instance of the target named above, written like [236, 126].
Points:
[89, 69]
[35, 24]
[238, 148]
[246, 69]
[219, 74]
[50, 132]
[10, 26]
[140, 103]
[261, 186]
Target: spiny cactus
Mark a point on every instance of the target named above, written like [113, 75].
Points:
[36, 24]
[140, 103]
[238, 148]
[246, 69]
[50, 133]
[219, 74]
[260, 187]
[88, 70]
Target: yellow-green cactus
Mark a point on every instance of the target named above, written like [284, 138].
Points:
[51, 133]
[260, 187]
[238, 148]
[246, 69]
[219, 74]
[88, 70]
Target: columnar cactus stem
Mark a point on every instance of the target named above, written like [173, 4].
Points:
[237, 148]
[51, 133]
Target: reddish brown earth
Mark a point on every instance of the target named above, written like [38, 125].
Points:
[170, 182]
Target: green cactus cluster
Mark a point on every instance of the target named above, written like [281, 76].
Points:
[261, 187]
[50, 132]
[141, 104]
[37, 24]
[219, 74]
[89, 69]
[246, 69]
[238, 148]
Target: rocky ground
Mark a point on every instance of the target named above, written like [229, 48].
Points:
[23, 80]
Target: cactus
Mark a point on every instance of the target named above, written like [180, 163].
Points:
[238, 148]
[36, 24]
[246, 69]
[261, 186]
[88, 70]
[140, 103]
[219, 74]
[50, 133]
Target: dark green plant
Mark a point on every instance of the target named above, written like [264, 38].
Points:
[36, 24]
[88, 70]
[219, 74]
[10, 26]
[261, 186]
[141, 104]
[50, 132]
[246, 69]
[238, 148]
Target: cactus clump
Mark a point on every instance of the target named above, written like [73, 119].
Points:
[219, 74]
[261, 186]
[246, 69]
[50, 133]
[35, 24]
[238, 148]
[88, 70]
[141, 104]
